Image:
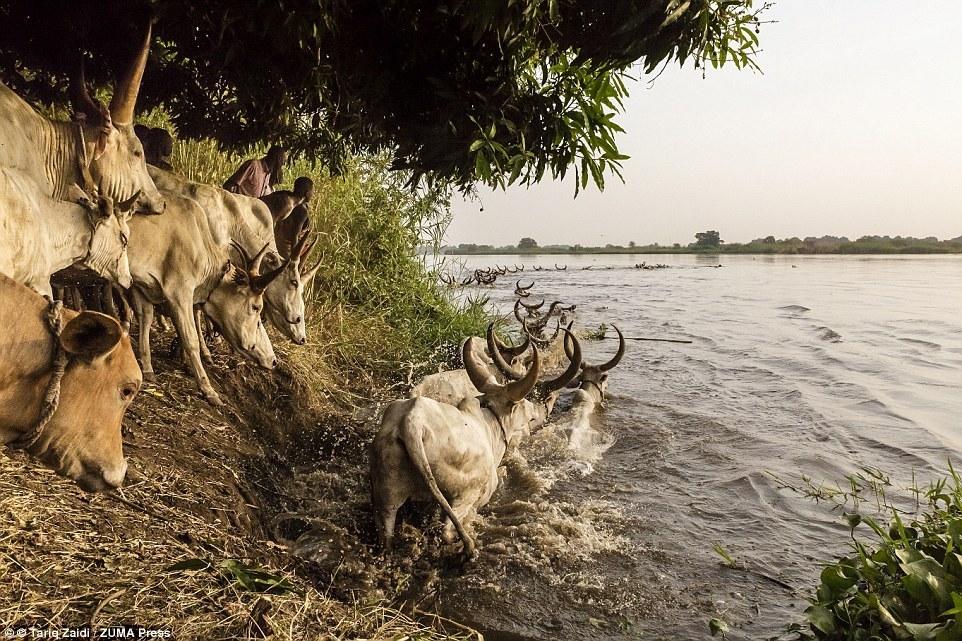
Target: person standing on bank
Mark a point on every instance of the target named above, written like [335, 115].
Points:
[256, 177]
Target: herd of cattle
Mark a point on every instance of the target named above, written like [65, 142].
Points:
[446, 441]
[78, 202]
[80, 205]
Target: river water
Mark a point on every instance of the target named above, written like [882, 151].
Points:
[800, 366]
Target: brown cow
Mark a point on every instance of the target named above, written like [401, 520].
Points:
[81, 440]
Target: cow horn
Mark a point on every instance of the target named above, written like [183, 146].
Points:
[574, 366]
[541, 342]
[532, 307]
[259, 282]
[517, 390]
[617, 357]
[297, 251]
[82, 102]
[256, 260]
[127, 205]
[514, 350]
[517, 311]
[568, 351]
[479, 375]
[496, 356]
[124, 101]
[308, 246]
[518, 285]
[243, 254]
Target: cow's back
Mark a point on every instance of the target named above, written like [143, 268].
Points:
[22, 136]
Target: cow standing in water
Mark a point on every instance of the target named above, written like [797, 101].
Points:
[79, 435]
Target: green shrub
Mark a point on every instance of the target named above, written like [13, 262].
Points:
[905, 584]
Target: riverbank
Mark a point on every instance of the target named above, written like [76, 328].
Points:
[197, 540]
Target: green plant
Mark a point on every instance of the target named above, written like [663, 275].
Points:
[905, 584]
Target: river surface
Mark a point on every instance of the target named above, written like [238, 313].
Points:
[816, 366]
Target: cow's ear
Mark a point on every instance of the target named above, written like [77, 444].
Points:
[90, 335]
[75, 193]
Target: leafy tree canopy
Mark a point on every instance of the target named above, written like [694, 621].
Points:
[461, 91]
[527, 243]
[709, 238]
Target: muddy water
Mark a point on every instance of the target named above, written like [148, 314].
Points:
[799, 365]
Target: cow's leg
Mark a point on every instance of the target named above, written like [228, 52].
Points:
[182, 313]
[204, 350]
[463, 507]
[107, 300]
[145, 316]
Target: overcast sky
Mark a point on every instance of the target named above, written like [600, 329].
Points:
[854, 128]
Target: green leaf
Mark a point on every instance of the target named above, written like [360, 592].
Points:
[821, 618]
[717, 626]
[477, 144]
[189, 564]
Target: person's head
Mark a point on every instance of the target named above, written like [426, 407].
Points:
[304, 187]
[161, 143]
[276, 158]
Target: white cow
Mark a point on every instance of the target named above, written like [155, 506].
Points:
[248, 222]
[427, 450]
[47, 151]
[174, 259]
[40, 235]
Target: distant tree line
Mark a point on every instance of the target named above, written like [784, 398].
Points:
[711, 242]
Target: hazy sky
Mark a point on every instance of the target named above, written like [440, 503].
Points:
[854, 128]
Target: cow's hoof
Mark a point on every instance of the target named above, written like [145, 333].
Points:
[213, 398]
[150, 377]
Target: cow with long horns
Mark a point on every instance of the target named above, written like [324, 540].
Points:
[175, 259]
[102, 139]
[249, 223]
[592, 390]
[426, 450]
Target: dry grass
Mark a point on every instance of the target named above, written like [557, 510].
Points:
[204, 484]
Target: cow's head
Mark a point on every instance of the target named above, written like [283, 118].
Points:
[82, 441]
[236, 304]
[508, 402]
[114, 154]
[596, 376]
[107, 251]
[546, 392]
[284, 296]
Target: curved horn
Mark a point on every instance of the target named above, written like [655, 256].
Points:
[256, 260]
[513, 350]
[124, 102]
[480, 377]
[260, 282]
[517, 311]
[243, 254]
[80, 95]
[532, 307]
[568, 351]
[553, 307]
[517, 390]
[128, 204]
[297, 251]
[617, 357]
[574, 366]
[518, 285]
[496, 356]
[547, 341]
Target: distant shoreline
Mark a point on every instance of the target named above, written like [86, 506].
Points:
[716, 251]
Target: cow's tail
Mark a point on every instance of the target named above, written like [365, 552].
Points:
[412, 435]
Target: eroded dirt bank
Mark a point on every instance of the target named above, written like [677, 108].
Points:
[195, 541]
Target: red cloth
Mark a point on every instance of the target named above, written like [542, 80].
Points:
[252, 179]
